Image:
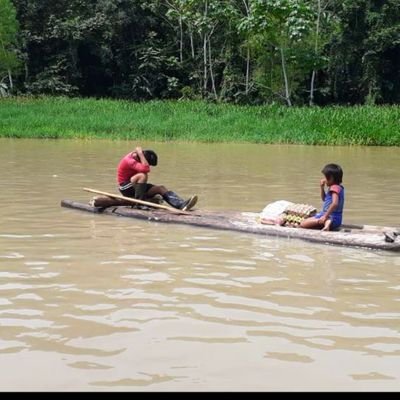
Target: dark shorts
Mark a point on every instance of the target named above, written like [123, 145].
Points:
[128, 190]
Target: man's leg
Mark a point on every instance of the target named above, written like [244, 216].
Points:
[128, 189]
[139, 182]
[154, 190]
[139, 178]
[172, 198]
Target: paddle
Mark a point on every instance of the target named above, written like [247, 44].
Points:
[137, 201]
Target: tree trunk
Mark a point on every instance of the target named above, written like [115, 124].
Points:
[191, 42]
[205, 77]
[247, 7]
[11, 85]
[248, 70]
[10, 79]
[181, 39]
[314, 73]
[272, 64]
[205, 51]
[287, 90]
[211, 69]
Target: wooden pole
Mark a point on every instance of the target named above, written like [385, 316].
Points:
[137, 201]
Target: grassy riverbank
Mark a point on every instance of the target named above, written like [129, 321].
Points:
[198, 121]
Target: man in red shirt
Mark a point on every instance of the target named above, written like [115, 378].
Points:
[132, 177]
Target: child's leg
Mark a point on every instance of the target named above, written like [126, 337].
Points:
[310, 223]
[327, 225]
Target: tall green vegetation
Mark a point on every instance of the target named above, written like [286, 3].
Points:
[61, 117]
[294, 52]
[8, 52]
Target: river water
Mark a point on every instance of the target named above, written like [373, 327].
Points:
[94, 302]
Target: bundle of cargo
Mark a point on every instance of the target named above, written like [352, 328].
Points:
[285, 213]
[295, 213]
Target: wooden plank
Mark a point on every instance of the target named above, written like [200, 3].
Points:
[247, 223]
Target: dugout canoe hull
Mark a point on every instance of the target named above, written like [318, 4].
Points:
[363, 236]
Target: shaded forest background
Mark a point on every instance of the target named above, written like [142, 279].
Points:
[294, 52]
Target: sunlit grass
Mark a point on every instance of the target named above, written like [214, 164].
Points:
[47, 117]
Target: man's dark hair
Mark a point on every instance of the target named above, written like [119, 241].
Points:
[334, 171]
[151, 157]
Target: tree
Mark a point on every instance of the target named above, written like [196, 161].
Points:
[364, 53]
[325, 26]
[244, 51]
[281, 25]
[381, 48]
[8, 38]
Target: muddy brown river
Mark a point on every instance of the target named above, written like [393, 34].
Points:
[98, 303]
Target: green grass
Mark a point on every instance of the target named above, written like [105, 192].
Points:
[49, 117]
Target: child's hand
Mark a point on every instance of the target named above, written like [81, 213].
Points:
[322, 183]
[322, 220]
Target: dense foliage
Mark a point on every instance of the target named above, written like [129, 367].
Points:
[242, 51]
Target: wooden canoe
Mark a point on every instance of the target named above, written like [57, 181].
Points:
[363, 236]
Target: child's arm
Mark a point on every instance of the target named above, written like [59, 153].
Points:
[322, 184]
[331, 209]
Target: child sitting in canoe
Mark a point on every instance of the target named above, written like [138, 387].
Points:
[132, 176]
[333, 197]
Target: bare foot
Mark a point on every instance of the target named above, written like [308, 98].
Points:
[327, 226]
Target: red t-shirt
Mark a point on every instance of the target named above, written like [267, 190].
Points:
[129, 167]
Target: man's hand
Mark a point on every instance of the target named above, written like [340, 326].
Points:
[141, 156]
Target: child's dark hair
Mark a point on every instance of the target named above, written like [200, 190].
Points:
[151, 157]
[334, 171]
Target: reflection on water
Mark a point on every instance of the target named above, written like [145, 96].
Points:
[93, 302]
